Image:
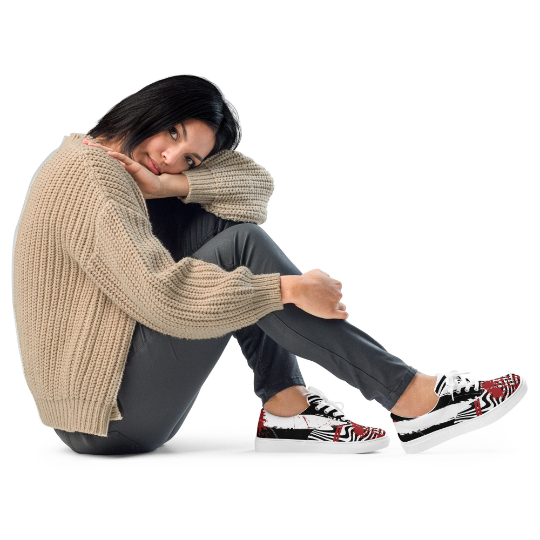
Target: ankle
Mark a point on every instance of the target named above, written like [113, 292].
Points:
[288, 402]
[418, 398]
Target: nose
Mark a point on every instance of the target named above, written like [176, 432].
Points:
[171, 156]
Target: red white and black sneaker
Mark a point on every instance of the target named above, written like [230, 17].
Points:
[465, 404]
[322, 427]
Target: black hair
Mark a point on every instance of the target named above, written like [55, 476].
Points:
[164, 104]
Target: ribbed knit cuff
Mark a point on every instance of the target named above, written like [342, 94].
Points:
[267, 297]
[202, 185]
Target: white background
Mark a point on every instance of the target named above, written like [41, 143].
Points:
[403, 140]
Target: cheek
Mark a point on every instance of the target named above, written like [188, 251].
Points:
[137, 153]
[141, 153]
[153, 149]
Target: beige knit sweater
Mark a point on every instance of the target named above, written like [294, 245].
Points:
[86, 267]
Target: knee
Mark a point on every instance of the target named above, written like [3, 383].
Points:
[246, 244]
[115, 443]
[252, 231]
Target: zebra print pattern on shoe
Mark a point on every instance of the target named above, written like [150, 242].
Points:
[465, 404]
[322, 426]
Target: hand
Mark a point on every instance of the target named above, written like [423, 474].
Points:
[316, 293]
[149, 183]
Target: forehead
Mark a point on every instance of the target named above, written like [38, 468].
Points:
[193, 127]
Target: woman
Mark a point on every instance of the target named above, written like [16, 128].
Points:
[138, 255]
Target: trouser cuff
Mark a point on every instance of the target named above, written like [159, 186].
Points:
[400, 388]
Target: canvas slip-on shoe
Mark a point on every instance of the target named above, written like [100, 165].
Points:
[465, 404]
[321, 427]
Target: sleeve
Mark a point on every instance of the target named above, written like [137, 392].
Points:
[190, 298]
[231, 186]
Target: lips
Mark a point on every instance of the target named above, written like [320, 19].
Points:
[152, 166]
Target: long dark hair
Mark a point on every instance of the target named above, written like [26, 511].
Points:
[164, 104]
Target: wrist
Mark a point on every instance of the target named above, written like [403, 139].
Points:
[290, 286]
[173, 185]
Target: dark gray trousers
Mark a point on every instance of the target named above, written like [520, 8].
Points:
[163, 374]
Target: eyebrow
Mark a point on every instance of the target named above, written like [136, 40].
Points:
[185, 137]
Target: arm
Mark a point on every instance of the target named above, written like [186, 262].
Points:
[189, 299]
[113, 242]
[229, 185]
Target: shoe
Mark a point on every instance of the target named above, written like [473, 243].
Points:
[464, 405]
[322, 427]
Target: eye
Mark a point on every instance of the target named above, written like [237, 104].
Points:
[172, 131]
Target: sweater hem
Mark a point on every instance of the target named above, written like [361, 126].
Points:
[90, 417]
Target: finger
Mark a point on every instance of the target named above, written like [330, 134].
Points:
[124, 160]
[342, 306]
[118, 155]
[97, 145]
[121, 157]
[341, 315]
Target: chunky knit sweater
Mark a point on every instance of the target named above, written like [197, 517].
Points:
[86, 268]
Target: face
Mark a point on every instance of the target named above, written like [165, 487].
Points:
[177, 149]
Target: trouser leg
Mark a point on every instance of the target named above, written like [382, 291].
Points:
[274, 367]
[344, 350]
[183, 229]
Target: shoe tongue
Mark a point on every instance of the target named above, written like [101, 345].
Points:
[440, 385]
[313, 398]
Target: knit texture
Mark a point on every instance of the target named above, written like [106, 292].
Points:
[87, 267]
[232, 186]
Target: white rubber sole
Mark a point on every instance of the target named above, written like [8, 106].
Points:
[433, 439]
[325, 447]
